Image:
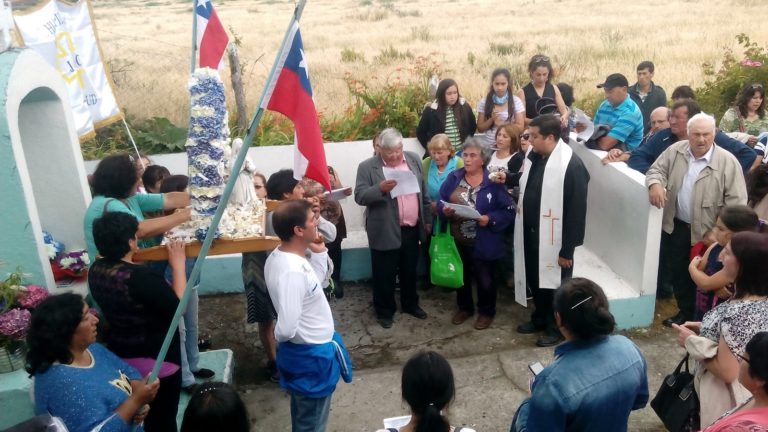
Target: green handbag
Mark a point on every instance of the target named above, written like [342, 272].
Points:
[447, 270]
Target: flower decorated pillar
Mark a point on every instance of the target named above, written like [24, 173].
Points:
[43, 184]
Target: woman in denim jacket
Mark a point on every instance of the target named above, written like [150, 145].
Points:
[596, 378]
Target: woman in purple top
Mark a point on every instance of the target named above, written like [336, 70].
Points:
[480, 241]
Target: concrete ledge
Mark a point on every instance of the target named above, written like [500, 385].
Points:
[633, 312]
[588, 265]
[15, 398]
[222, 275]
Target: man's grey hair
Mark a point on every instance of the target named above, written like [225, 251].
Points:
[703, 117]
[479, 144]
[390, 138]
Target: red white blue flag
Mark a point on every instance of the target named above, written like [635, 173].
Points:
[212, 40]
[290, 94]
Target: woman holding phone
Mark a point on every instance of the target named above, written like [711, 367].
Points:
[597, 378]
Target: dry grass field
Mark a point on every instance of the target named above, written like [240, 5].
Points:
[148, 42]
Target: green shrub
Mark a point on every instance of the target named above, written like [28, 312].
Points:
[152, 136]
[372, 15]
[408, 13]
[391, 54]
[509, 49]
[611, 39]
[421, 32]
[590, 103]
[397, 103]
[349, 55]
[720, 91]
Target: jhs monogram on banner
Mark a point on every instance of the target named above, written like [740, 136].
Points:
[62, 34]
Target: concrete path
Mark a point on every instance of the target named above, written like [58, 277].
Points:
[490, 366]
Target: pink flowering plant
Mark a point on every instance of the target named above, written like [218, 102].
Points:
[736, 70]
[16, 302]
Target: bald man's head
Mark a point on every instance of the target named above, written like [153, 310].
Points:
[659, 119]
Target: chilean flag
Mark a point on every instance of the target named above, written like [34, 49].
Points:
[290, 94]
[212, 40]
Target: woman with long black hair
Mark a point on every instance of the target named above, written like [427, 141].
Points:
[448, 114]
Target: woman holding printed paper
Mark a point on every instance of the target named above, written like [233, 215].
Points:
[552, 209]
[480, 241]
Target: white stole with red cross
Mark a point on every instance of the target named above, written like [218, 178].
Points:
[550, 223]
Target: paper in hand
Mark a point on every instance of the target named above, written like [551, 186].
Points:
[338, 194]
[582, 117]
[407, 183]
[463, 211]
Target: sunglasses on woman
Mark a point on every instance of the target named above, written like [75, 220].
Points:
[525, 136]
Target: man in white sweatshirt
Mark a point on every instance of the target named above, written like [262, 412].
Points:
[310, 355]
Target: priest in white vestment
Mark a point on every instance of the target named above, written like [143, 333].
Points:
[550, 223]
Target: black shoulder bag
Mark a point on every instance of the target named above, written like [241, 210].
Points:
[676, 402]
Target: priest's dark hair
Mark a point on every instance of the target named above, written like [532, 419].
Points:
[548, 124]
[583, 309]
[691, 105]
[215, 406]
[112, 232]
[280, 183]
[288, 215]
[428, 388]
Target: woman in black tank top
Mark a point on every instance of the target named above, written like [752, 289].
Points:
[540, 95]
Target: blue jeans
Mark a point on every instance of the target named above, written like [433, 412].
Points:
[188, 330]
[309, 414]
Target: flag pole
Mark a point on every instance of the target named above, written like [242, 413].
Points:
[130, 137]
[238, 164]
[194, 36]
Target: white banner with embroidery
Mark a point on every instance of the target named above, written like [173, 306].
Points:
[64, 35]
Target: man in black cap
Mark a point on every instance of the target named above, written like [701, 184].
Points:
[619, 112]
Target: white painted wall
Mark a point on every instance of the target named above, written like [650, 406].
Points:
[622, 234]
[344, 157]
[623, 230]
[47, 153]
